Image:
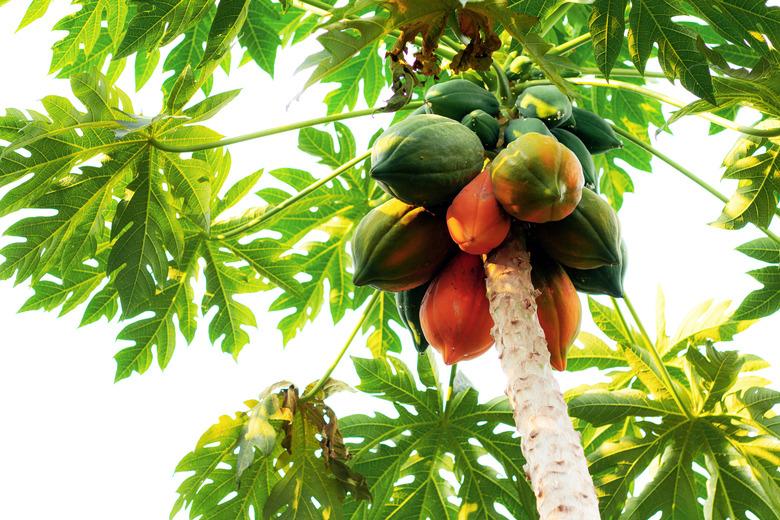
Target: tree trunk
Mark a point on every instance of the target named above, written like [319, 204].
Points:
[556, 464]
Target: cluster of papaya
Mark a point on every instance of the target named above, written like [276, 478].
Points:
[461, 174]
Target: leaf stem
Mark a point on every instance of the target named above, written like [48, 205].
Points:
[622, 319]
[554, 18]
[324, 379]
[272, 131]
[657, 358]
[692, 176]
[623, 72]
[259, 219]
[570, 45]
[450, 384]
[622, 85]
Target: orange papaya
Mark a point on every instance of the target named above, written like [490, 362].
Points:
[537, 179]
[455, 314]
[475, 220]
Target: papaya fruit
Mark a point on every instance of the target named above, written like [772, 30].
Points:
[455, 313]
[573, 143]
[425, 160]
[475, 220]
[586, 239]
[484, 125]
[537, 179]
[408, 304]
[544, 102]
[457, 97]
[397, 247]
[557, 307]
[595, 132]
[607, 279]
[517, 127]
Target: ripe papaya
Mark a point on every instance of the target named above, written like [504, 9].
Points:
[397, 247]
[573, 143]
[484, 125]
[586, 239]
[455, 314]
[475, 220]
[607, 279]
[517, 127]
[557, 307]
[409, 303]
[592, 130]
[544, 102]
[458, 97]
[537, 179]
[425, 160]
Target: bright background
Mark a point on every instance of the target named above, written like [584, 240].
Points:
[75, 445]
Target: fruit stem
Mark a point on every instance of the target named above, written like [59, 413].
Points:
[667, 379]
[570, 45]
[259, 219]
[713, 118]
[324, 379]
[271, 131]
[695, 178]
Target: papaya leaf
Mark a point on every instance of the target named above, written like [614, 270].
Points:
[765, 301]
[764, 249]
[607, 25]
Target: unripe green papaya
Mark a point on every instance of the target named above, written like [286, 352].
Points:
[595, 133]
[586, 239]
[458, 97]
[397, 247]
[519, 67]
[425, 160]
[484, 125]
[544, 102]
[408, 303]
[607, 279]
[573, 143]
[537, 179]
[517, 127]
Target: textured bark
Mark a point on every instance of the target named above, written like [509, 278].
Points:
[556, 464]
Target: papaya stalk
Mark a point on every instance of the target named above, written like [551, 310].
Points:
[556, 464]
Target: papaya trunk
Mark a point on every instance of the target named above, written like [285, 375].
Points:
[556, 464]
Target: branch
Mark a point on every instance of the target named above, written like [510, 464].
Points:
[245, 226]
[556, 467]
[692, 176]
[272, 131]
[324, 379]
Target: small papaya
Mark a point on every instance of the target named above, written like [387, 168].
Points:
[408, 304]
[544, 102]
[484, 125]
[595, 132]
[573, 143]
[457, 97]
[455, 313]
[475, 220]
[537, 179]
[517, 127]
[425, 160]
[586, 239]
[397, 246]
[607, 279]
[557, 307]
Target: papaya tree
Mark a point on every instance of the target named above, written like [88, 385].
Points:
[485, 203]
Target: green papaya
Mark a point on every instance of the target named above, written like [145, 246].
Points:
[595, 132]
[544, 102]
[573, 143]
[607, 279]
[409, 303]
[517, 127]
[586, 239]
[518, 68]
[426, 159]
[458, 97]
[397, 247]
[484, 125]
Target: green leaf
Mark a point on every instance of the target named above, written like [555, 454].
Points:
[188, 52]
[755, 200]
[602, 407]
[609, 322]
[764, 249]
[607, 27]
[35, 11]
[718, 370]
[365, 69]
[764, 301]
[708, 321]
[227, 23]
[650, 21]
[593, 353]
[382, 337]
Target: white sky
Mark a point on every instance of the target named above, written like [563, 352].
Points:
[75, 445]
